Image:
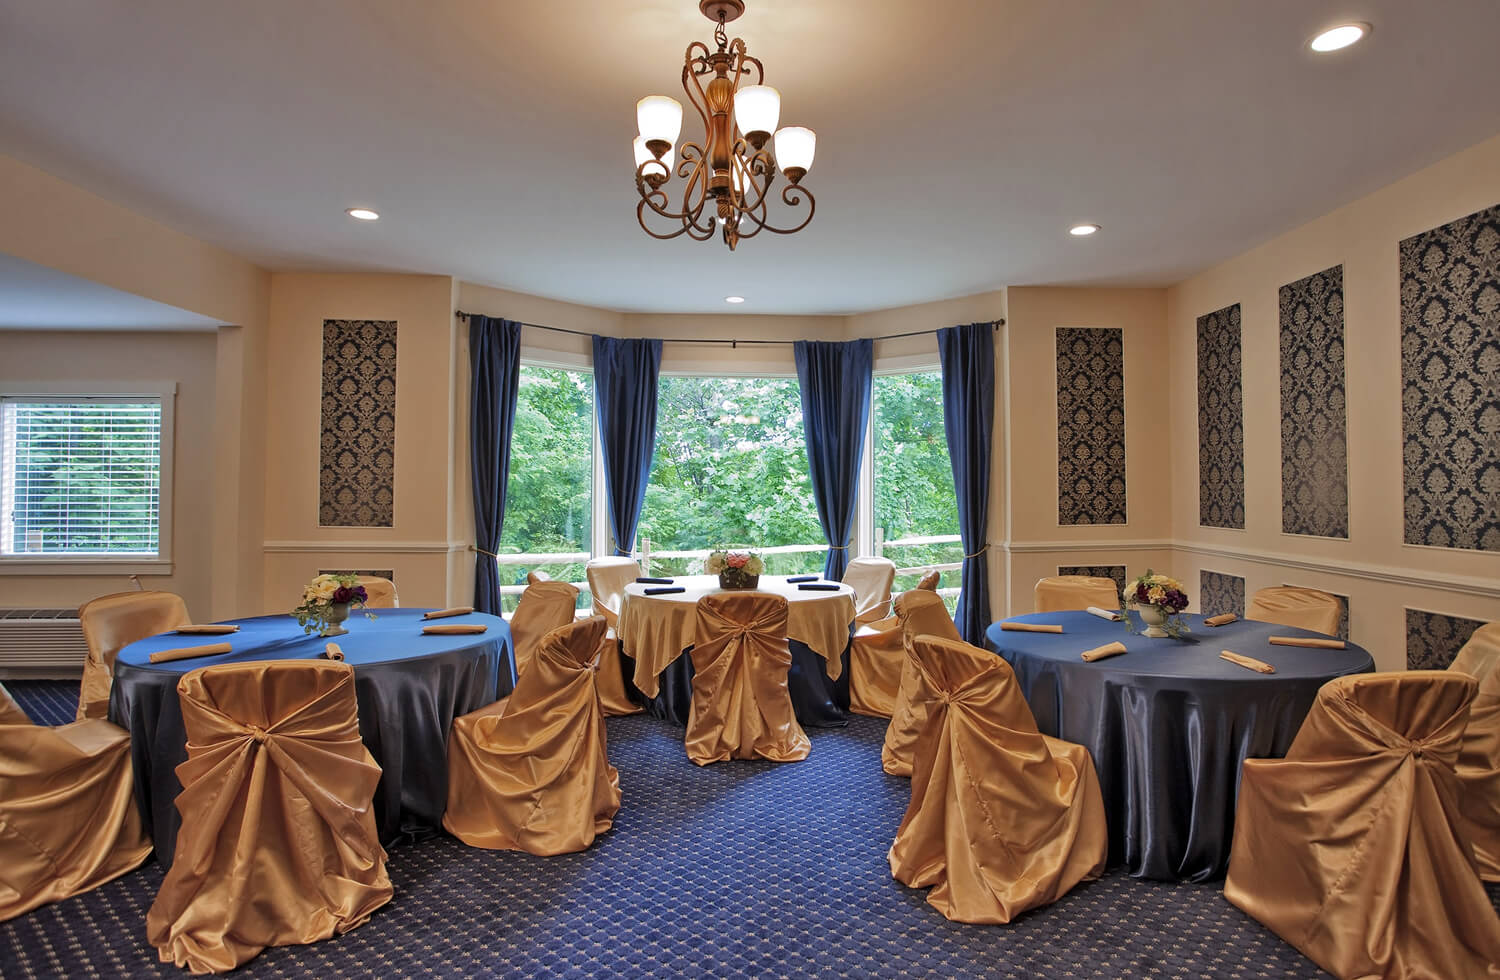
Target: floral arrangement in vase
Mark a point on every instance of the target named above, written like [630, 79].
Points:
[326, 602]
[737, 568]
[1160, 601]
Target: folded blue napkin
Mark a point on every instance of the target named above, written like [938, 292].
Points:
[666, 590]
[803, 578]
[818, 587]
[647, 580]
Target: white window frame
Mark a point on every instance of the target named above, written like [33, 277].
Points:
[103, 564]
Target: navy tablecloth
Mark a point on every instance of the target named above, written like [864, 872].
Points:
[409, 687]
[1169, 723]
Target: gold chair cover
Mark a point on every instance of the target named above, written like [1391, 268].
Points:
[1002, 818]
[741, 708]
[1479, 757]
[380, 593]
[607, 580]
[68, 819]
[921, 613]
[930, 580]
[1058, 593]
[877, 658]
[111, 622]
[535, 576]
[1307, 609]
[871, 580]
[543, 607]
[1347, 848]
[278, 843]
[531, 772]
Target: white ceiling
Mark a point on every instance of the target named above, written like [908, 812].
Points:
[35, 297]
[957, 139]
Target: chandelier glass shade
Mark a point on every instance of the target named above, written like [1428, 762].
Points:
[727, 179]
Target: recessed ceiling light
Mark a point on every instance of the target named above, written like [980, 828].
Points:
[734, 299]
[363, 214]
[1338, 37]
[1083, 231]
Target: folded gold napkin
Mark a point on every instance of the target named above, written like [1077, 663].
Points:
[1031, 627]
[211, 629]
[183, 653]
[1108, 614]
[333, 652]
[1223, 619]
[1307, 641]
[1108, 650]
[1244, 661]
[454, 629]
[445, 613]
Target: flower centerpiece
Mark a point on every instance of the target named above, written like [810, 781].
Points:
[1160, 600]
[737, 568]
[326, 602]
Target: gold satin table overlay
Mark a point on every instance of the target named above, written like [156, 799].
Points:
[607, 579]
[187, 653]
[110, 623]
[1107, 650]
[1347, 848]
[1059, 593]
[877, 657]
[1259, 666]
[1030, 627]
[920, 614]
[1306, 609]
[1479, 758]
[1002, 818]
[531, 772]
[1306, 641]
[278, 844]
[1223, 619]
[656, 629]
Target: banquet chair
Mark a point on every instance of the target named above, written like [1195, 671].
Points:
[921, 613]
[741, 708]
[607, 580]
[1347, 847]
[536, 575]
[380, 593]
[871, 580]
[112, 622]
[68, 819]
[1287, 605]
[543, 607]
[930, 580]
[876, 659]
[278, 844]
[1002, 818]
[531, 772]
[1058, 593]
[1479, 756]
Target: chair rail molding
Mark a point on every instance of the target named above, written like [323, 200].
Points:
[363, 546]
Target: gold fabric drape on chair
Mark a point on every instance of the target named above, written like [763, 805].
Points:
[1059, 593]
[1306, 609]
[543, 607]
[380, 593]
[278, 843]
[921, 613]
[741, 708]
[1479, 757]
[871, 580]
[1347, 848]
[607, 580]
[68, 819]
[877, 657]
[930, 580]
[1002, 818]
[111, 622]
[531, 772]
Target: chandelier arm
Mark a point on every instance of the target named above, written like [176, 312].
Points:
[760, 70]
[753, 164]
[790, 197]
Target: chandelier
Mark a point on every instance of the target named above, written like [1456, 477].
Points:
[729, 176]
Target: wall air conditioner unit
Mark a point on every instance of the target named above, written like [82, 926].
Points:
[40, 643]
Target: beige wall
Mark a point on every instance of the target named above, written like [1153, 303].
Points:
[1379, 573]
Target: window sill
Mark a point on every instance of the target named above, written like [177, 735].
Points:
[52, 565]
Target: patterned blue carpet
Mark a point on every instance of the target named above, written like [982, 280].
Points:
[739, 870]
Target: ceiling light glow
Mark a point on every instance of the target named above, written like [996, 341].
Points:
[1338, 37]
[363, 214]
[1083, 230]
[734, 299]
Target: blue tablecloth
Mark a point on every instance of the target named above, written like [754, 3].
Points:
[1169, 723]
[409, 688]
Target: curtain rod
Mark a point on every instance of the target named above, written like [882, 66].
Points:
[732, 343]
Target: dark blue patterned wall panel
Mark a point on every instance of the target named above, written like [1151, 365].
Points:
[1450, 383]
[1221, 426]
[1314, 451]
[385, 573]
[1433, 639]
[1090, 425]
[1115, 572]
[357, 475]
[1221, 593]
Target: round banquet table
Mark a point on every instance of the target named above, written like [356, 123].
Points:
[1168, 724]
[409, 686]
[656, 631]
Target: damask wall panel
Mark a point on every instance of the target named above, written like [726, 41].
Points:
[1433, 639]
[1314, 448]
[1115, 572]
[1450, 383]
[1219, 593]
[385, 573]
[1221, 421]
[356, 477]
[1090, 425]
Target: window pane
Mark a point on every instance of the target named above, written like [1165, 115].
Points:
[916, 512]
[549, 499]
[80, 477]
[730, 469]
